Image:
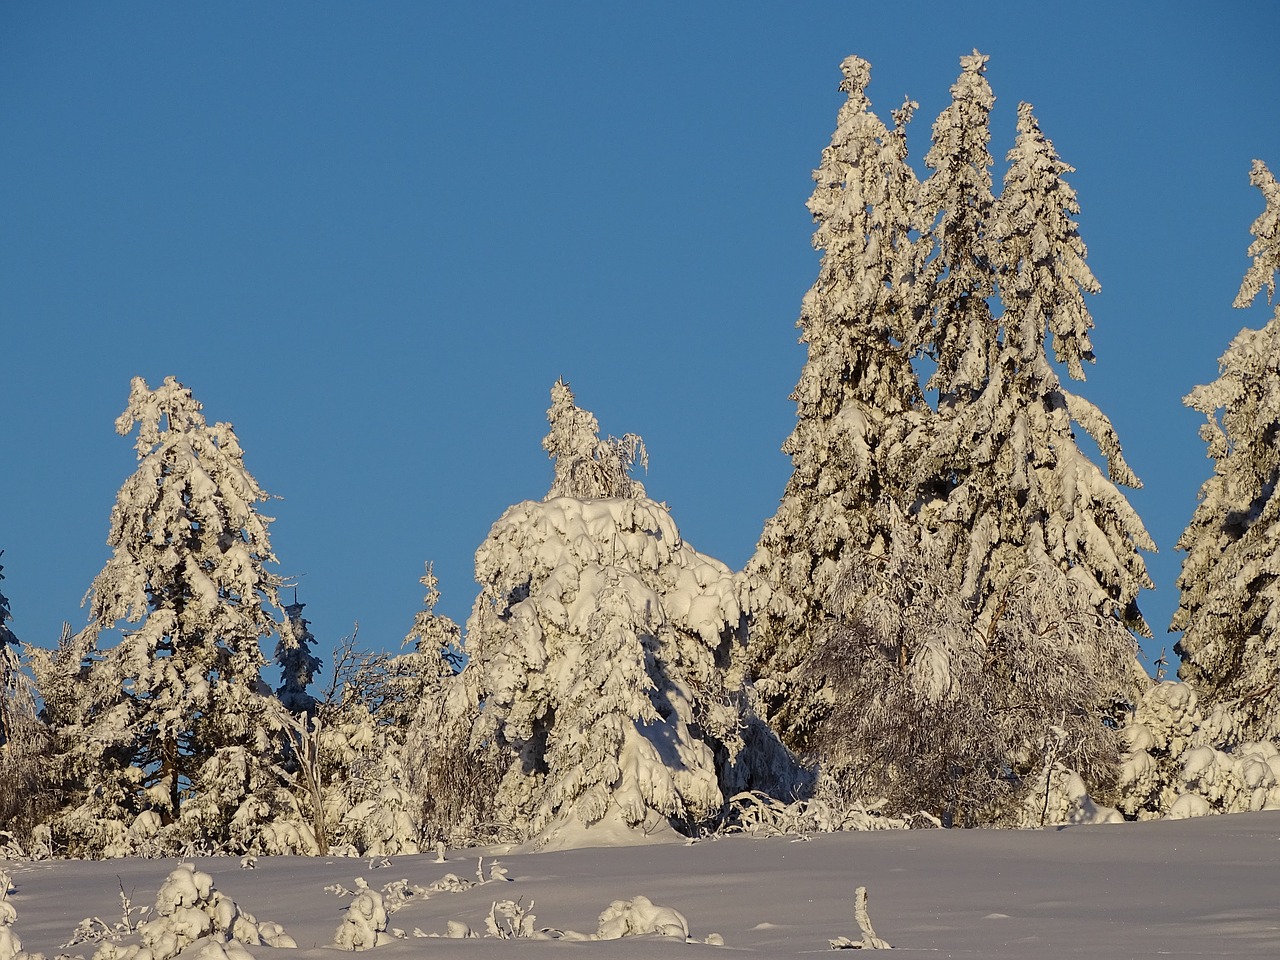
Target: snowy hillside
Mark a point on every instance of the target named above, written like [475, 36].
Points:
[1192, 888]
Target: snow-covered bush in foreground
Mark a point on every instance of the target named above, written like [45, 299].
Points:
[600, 646]
[1182, 762]
[10, 945]
[364, 925]
[640, 917]
[191, 911]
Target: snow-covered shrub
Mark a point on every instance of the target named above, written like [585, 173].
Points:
[598, 650]
[511, 920]
[1182, 763]
[760, 815]
[640, 917]
[368, 808]
[364, 925]
[10, 944]
[901, 677]
[194, 918]
[1060, 796]
[352, 788]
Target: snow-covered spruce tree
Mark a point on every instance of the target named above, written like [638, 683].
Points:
[298, 665]
[856, 389]
[434, 655]
[170, 735]
[958, 328]
[1022, 514]
[598, 648]
[999, 473]
[10, 671]
[452, 784]
[386, 761]
[1229, 605]
[24, 741]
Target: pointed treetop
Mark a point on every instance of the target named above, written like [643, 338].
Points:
[1044, 258]
[974, 63]
[1265, 249]
[586, 466]
[147, 408]
[6, 635]
[857, 74]
[574, 431]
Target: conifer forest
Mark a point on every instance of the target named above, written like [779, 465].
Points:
[937, 627]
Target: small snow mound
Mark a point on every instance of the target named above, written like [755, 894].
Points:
[1187, 806]
[612, 830]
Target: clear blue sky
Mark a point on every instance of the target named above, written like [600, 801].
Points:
[372, 235]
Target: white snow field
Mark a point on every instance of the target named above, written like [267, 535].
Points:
[1208, 887]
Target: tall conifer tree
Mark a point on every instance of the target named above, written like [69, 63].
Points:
[856, 389]
[9, 667]
[999, 473]
[598, 647]
[1229, 605]
[171, 729]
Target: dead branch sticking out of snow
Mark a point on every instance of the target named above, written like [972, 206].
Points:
[869, 939]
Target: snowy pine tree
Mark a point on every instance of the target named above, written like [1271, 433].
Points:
[945, 569]
[998, 471]
[856, 390]
[24, 740]
[1229, 603]
[435, 654]
[10, 670]
[1033, 531]
[957, 200]
[298, 665]
[452, 787]
[597, 649]
[172, 731]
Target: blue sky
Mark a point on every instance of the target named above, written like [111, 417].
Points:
[372, 236]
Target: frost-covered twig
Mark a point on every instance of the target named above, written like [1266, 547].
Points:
[511, 920]
[97, 930]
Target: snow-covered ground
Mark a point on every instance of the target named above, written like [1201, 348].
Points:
[1191, 888]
